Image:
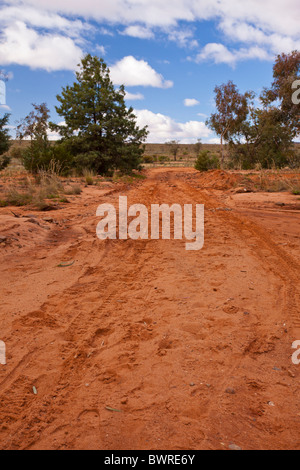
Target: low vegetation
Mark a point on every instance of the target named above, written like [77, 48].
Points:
[40, 192]
[275, 182]
[100, 136]
[260, 135]
[207, 161]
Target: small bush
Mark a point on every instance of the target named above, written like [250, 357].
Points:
[148, 159]
[46, 185]
[206, 161]
[89, 177]
[268, 184]
[40, 155]
[17, 152]
[73, 190]
[14, 197]
[4, 162]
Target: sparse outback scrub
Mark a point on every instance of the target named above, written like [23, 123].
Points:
[39, 192]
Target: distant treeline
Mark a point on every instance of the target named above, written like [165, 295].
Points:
[185, 150]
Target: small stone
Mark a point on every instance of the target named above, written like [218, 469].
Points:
[192, 384]
[270, 403]
[291, 374]
[33, 221]
[234, 447]
[3, 239]
[230, 391]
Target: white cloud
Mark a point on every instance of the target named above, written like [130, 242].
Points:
[101, 50]
[272, 15]
[154, 13]
[215, 140]
[219, 54]
[246, 33]
[54, 135]
[163, 128]
[184, 37]
[132, 72]
[105, 32]
[24, 46]
[39, 19]
[133, 96]
[137, 31]
[253, 29]
[189, 102]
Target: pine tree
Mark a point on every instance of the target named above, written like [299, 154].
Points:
[100, 131]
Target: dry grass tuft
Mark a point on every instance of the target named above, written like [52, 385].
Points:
[36, 192]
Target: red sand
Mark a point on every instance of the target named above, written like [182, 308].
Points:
[193, 348]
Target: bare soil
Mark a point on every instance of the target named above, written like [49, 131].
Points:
[142, 344]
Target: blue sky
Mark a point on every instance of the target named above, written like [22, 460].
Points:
[170, 55]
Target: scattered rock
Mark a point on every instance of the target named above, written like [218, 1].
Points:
[230, 391]
[270, 403]
[33, 221]
[234, 447]
[230, 309]
[280, 204]
[243, 190]
[3, 239]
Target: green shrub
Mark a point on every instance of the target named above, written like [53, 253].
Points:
[148, 159]
[207, 161]
[4, 161]
[40, 156]
[17, 152]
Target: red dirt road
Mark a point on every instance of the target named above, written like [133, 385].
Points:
[192, 348]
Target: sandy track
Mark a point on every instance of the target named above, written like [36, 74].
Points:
[193, 348]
